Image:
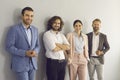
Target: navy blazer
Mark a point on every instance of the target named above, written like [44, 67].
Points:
[103, 45]
[17, 44]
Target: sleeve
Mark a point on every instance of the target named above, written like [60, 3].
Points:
[86, 47]
[65, 41]
[10, 43]
[37, 46]
[69, 38]
[49, 41]
[106, 45]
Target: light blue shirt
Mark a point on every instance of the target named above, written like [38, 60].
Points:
[79, 43]
[28, 33]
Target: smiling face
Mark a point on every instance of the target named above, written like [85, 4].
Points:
[56, 25]
[96, 26]
[27, 17]
[77, 27]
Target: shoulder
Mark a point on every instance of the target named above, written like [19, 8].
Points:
[69, 34]
[46, 33]
[61, 33]
[84, 36]
[102, 34]
[33, 27]
[14, 27]
[13, 30]
[89, 34]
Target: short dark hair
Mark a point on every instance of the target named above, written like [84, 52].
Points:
[77, 21]
[26, 8]
[52, 20]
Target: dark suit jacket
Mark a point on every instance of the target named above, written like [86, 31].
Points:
[103, 45]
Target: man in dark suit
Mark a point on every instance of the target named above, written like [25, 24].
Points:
[98, 46]
[22, 43]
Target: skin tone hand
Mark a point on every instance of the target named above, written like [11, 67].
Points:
[34, 54]
[31, 53]
[69, 60]
[98, 52]
[56, 49]
[63, 46]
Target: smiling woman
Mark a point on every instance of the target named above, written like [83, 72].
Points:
[78, 52]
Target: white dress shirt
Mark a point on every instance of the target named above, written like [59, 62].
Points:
[50, 39]
[95, 44]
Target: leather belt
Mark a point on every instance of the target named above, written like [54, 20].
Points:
[95, 56]
[56, 60]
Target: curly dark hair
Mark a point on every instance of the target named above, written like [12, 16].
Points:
[52, 20]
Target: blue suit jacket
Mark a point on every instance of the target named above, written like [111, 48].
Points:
[17, 44]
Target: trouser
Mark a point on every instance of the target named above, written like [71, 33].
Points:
[28, 75]
[95, 65]
[55, 69]
[78, 67]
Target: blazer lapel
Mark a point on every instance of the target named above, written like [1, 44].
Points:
[33, 36]
[24, 33]
[91, 39]
[91, 42]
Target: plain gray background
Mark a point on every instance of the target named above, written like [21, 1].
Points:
[86, 10]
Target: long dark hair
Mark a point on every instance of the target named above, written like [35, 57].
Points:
[52, 20]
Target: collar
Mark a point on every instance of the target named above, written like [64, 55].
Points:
[77, 34]
[54, 32]
[25, 26]
[97, 34]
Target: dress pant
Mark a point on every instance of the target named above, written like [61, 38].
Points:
[78, 67]
[55, 69]
[27, 75]
[95, 65]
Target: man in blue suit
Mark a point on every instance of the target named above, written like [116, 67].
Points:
[22, 43]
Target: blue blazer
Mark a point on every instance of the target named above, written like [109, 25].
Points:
[17, 44]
